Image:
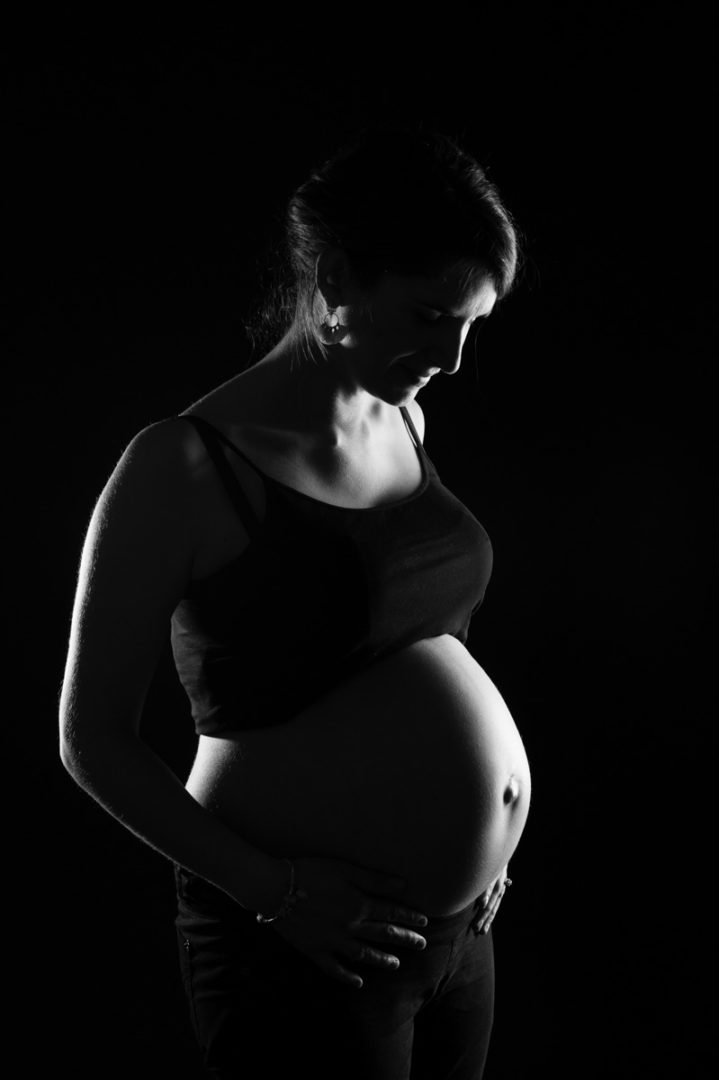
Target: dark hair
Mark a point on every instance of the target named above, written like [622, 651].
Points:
[411, 202]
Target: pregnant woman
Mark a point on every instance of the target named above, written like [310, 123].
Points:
[342, 842]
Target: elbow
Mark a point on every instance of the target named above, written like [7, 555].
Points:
[86, 763]
[65, 746]
[70, 756]
[68, 735]
[92, 737]
[67, 755]
[90, 751]
[68, 731]
[76, 746]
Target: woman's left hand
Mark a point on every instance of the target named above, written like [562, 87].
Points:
[491, 900]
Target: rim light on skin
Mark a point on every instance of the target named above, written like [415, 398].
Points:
[425, 311]
[390, 341]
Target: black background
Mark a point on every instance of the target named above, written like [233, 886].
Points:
[147, 166]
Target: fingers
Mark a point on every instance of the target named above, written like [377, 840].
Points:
[365, 954]
[484, 924]
[494, 891]
[489, 904]
[398, 935]
[492, 906]
[342, 974]
[396, 915]
[360, 954]
[344, 920]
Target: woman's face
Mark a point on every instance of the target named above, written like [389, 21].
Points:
[408, 329]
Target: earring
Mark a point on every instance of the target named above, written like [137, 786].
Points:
[331, 322]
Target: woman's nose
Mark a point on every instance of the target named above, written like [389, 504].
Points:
[449, 350]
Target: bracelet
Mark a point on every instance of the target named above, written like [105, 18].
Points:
[290, 899]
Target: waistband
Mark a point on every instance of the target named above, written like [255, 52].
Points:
[200, 895]
[441, 928]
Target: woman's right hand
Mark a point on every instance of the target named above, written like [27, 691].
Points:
[348, 918]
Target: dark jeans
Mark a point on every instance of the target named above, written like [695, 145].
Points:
[261, 1009]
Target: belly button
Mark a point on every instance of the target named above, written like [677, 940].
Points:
[511, 792]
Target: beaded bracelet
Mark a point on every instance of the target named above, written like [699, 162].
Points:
[290, 899]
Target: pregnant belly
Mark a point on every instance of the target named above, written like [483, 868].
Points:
[414, 767]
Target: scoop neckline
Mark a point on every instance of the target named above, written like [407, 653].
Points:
[419, 490]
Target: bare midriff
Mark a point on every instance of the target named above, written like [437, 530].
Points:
[414, 767]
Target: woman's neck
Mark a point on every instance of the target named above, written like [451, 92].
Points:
[316, 397]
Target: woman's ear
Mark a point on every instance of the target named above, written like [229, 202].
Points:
[333, 277]
[335, 292]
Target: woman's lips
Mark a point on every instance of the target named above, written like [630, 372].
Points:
[415, 376]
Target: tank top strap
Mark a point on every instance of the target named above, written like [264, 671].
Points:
[430, 466]
[412, 429]
[211, 437]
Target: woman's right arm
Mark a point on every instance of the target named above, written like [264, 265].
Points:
[135, 566]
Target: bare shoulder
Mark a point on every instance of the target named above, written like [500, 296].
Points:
[142, 524]
[171, 447]
[164, 464]
[415, 411]
[161, 494]
[135, 565]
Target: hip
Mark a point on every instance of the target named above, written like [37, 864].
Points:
[254, 997]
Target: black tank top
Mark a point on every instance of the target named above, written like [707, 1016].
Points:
[320, 592]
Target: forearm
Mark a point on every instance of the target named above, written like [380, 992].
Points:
[134, 785]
